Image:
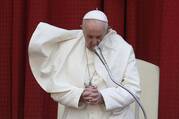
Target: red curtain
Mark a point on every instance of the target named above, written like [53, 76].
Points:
[151, 26]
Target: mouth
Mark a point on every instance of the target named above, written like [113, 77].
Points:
[91, 47]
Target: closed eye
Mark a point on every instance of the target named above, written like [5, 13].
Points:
[89, 36]
[98, 37]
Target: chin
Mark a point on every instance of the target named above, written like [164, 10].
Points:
[91, 48]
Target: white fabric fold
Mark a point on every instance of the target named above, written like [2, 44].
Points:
[58, 63]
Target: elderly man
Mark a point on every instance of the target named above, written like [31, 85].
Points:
[64, 64]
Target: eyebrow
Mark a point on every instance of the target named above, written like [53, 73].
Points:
[95, 36]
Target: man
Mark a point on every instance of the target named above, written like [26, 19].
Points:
[65, 65]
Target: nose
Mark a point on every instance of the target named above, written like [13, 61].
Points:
[92, 43]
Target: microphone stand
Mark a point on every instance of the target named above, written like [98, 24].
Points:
[102, 59]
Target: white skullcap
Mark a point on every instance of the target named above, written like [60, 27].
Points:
[96, 14]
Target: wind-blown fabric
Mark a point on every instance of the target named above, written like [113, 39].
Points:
[58, 62]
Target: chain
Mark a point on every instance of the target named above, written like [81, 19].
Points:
[90, 77]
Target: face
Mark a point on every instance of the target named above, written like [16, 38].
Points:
[94, 32]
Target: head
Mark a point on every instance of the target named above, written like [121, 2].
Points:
[94, 31]
[94, 28]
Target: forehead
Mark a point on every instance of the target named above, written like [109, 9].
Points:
[94, 26]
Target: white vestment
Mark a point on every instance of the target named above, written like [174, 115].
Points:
[58, 62]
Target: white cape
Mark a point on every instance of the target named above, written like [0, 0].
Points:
[57, 56]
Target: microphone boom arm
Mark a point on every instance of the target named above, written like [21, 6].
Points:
[102, 59]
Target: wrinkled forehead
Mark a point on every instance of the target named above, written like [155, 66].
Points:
[93, 25]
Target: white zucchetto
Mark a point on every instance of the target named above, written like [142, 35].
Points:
[96, 14]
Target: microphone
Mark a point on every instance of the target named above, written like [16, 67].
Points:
[103, 60]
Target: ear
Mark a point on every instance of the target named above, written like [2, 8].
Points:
[109, 27]
[81, 26]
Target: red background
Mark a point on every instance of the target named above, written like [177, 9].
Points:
[151, 26]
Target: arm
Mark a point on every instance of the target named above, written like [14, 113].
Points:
[118, 98]
[68, 97]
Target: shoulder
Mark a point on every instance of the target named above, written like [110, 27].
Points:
[114, 41]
